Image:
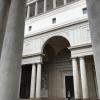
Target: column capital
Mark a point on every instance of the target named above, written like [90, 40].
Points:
[74, 58]
[33, 63]
[82, 57]
[39, 63]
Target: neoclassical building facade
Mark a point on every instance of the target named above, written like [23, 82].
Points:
[48, 51]
[57, 56]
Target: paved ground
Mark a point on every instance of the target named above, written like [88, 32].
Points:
[48, 99]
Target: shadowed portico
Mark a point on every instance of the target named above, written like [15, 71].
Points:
[56, 66]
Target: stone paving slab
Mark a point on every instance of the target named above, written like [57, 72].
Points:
[47, 99]
[57, 99]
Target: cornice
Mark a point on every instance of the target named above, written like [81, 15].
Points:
[80, 46]
[32, 55]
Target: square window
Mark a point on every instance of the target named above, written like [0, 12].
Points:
[84, 10]
[54, 20]
[30, 28]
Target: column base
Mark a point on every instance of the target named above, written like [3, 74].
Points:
[54, 99]
[78, 98]
[84, 99]
[50, 98]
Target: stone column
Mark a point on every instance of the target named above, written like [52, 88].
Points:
[94, 20]
[84, 78]
[77, 86]
[28, 12]
[65, 2]
[32, 90]
[36, 8]
[38, 81]
[54, 4]
[4, 8]
[45, 6]
[10, 63]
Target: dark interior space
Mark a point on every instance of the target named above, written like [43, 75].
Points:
[25, 81]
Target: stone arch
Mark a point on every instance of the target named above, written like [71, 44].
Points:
[52, 37]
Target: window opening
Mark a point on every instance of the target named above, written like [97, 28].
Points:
[40, 6]
[59, 3]
[32, 10]
[84, 10]
[54, 20]
[49, 4]
[30, 28]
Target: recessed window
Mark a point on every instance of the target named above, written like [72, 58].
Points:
[49, 4]
[54, 20]
[37, 7]
[32, 9]
[84, 10]
[59, 3]
[70, 1]
[40, 6]
[30, 28]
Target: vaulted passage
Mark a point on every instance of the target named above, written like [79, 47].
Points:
[57, 69]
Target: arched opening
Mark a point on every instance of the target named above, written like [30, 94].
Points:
[57, 79]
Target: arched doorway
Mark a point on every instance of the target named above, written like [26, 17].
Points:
[57, 78]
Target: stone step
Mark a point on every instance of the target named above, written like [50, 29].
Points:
[47, 99]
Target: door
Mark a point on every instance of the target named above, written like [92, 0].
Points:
[69, 86]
